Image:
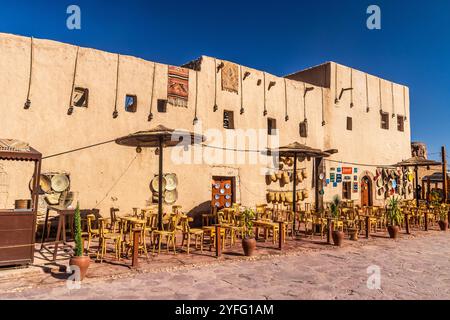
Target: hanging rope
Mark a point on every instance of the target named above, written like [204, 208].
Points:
[196, 97]
[323, 107]
[367, 93]
[218, 148]
[116, 113]
[215, 108]
[304, 101]
[27, 104]
[393, 99]
[264, 87]
[361, 164]
[286, 118]
[351, 86]
[242, 91]
[336, 100]
[381, 102]
[404, 102]
[150, 115]
[78, 149]
[116, 182]
[70, 110]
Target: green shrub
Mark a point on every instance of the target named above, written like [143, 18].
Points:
[78, 240]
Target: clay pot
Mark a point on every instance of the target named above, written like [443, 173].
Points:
[443, 225]
[393, 231]
[338, 237]
[82, 263]
[249, 246]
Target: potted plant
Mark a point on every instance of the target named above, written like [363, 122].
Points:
[248, 240]
[79, 259]
[394, 217]
[335, 207]
[443, 217]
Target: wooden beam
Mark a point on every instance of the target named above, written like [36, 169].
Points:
[444, 175]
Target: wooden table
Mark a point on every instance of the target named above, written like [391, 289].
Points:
[63, 214]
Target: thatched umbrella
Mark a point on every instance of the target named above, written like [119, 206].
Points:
[295, 150]
[159, 137]
[417, 162]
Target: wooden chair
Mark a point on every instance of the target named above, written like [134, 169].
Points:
[189, 232]
[92, 232]
[114, 221]
[104, 237]
[169, 235]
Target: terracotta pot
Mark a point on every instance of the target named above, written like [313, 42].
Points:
[338, 237]
[443, 225]
[249, 245]
[393, 231]
[82, 263]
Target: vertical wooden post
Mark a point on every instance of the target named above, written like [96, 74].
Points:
[428, 190]
[330, 229]
[136, 236]
[281, 235]
[426, 219]
[444, 176]
[218, 241]
[160, 182]
[367, 227]
[294, 192]
[407, 223]
[416, 169]
[424, 194]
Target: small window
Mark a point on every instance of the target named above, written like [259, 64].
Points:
[130, 103]
[400, 123]
[271, 126]
[228, 119]
[162, 105]
[385, 120]
[303, 129]
[80, 97]
[349, 123]
[347, 190]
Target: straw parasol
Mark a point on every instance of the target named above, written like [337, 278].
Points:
[295, 150]
[417, 162]
[160, 137]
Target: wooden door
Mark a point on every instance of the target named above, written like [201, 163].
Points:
[366, 192]
[222, 192]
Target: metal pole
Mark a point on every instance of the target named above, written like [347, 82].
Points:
[294, 194]
[444, 176]
[160, 182]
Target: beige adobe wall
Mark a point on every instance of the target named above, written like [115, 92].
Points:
[367, 143]
[109, 171]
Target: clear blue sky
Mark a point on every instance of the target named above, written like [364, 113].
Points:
[412, 48]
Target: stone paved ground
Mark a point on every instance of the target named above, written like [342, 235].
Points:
[411, 268]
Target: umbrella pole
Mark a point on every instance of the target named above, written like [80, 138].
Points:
[160, 182]
[294, 192]
[417, 186]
